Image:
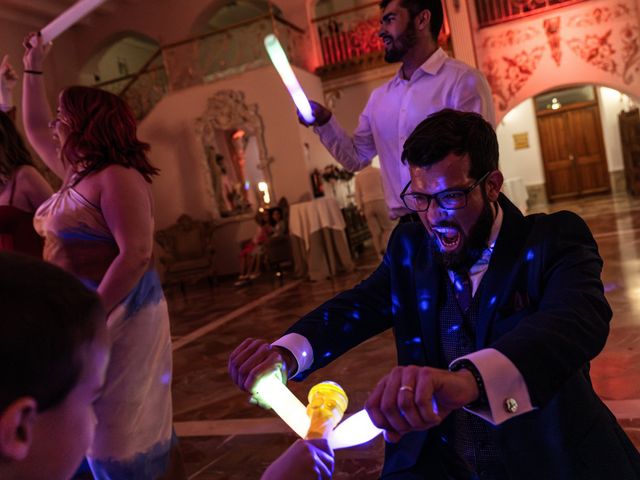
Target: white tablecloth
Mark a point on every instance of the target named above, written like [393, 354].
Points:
[308, 217]
[319, 241]
[516, 191]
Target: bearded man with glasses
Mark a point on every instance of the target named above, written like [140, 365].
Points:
[496, 317]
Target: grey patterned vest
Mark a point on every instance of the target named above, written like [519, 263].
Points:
[469, 435]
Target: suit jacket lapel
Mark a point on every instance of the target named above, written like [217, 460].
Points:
[500, 274]
[428, 277]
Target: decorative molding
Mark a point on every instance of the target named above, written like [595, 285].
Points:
[552, 29]
[597, 50]
[227, 110]
[511, 37]
[630, 52]
[508, 76]
[599, 15]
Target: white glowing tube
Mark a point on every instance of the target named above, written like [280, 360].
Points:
[272, 391]
[67, 18]
[279, 60]
[355, 430]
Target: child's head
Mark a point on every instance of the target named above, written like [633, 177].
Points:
[276, 215]
[53, 358]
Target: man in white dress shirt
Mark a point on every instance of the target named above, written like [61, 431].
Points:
[427, 82]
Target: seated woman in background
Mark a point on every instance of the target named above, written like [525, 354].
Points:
[253, 250]
[22, 188]
[99, 226]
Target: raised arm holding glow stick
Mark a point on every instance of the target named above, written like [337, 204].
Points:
[280, 61]
[68, 18]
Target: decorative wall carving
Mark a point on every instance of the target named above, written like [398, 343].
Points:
[511, 37]
[552, 29]
[598, 16]
[507, 77]
[630, 52]
[600, 34]
[596, 50]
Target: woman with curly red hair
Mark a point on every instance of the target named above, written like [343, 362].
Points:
[99, 226]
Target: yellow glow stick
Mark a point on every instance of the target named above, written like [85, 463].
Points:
[274, 393]
[356, 429]
[279, 60]
[327, 404]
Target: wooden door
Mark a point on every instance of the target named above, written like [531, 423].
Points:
[573, 153]
[630, 136]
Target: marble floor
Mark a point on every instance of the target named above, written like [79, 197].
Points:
[223, 436]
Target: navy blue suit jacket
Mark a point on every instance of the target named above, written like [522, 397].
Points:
[542, 305]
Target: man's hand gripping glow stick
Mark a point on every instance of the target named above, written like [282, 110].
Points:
[270, 390]
[279, 60]
[67, 18]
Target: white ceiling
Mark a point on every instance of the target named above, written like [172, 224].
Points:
[37, 13]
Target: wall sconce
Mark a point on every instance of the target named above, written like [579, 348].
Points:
[264, 189]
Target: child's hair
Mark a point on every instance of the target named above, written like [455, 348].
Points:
[46, 316]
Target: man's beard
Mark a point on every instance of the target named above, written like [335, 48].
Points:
[401, 45]
[471, 247]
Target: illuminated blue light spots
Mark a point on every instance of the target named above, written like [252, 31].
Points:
[610, 287]
[327, 355]
[395, 303]
[325, 318]
[424, 300]
[165, 379]
[492, 301]
[304, 353]
[356, 315]
[454, 328]
[459, 285]
[530, 255]
[416, 340]
[347, 327]
[406, 261]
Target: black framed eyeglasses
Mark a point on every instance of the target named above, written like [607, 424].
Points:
[451, 199]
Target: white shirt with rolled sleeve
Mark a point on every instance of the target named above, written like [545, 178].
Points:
[393, 112]
[502, 380]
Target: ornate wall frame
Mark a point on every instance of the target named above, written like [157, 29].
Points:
[227, 110]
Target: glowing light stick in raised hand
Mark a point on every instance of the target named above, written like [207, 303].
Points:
[67, 18]
[270, 390]
[279, 60]
[355, 430]
[327, 403]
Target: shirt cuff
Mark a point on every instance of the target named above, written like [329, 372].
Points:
[330, 127]
[300, 348]
[507, 392]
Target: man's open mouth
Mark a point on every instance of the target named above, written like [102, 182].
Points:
[448, 237]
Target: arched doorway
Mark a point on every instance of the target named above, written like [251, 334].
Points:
[573, 151]
[525, 143]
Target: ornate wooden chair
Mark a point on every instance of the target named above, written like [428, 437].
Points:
[278, 248]
[188, 246]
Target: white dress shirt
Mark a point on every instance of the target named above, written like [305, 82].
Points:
[393, 112]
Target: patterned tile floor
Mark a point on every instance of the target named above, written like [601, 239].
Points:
[225, 437]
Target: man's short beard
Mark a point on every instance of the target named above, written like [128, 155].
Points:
[474, 244]
[401, 45]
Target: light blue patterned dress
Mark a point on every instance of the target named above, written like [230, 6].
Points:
[134, 432]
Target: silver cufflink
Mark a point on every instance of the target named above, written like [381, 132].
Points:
[511, 405]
